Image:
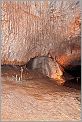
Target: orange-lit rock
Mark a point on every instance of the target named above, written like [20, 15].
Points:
[31, 29]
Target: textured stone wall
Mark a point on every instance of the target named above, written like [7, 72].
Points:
[36, 28]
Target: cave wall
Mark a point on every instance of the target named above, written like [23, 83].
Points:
[36, 28]
[47, 66]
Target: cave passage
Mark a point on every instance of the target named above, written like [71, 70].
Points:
[75, 80]
[74, 71]
[29, 64]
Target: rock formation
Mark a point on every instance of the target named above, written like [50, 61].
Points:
[37, 28]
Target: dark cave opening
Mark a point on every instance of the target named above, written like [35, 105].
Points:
[75, 80]
[29, 64]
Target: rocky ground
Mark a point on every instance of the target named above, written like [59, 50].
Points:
[36, 97]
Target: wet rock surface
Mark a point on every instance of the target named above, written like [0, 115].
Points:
[36, 97]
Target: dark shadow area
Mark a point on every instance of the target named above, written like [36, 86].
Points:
[29, 64]
[75, 80]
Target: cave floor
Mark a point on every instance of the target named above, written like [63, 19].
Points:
[37, 98]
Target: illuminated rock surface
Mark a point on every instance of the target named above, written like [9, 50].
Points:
[36, 97]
